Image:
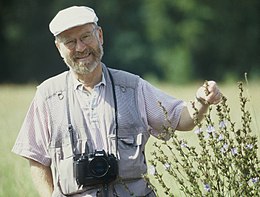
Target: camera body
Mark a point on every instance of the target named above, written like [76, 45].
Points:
[95, 168]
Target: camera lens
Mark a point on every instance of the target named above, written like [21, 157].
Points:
[99, 167]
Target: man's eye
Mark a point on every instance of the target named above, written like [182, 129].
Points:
[86, 36]
[69, 42]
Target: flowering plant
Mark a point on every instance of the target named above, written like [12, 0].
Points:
[224, 163]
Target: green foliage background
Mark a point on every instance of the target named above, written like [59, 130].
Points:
[172, 40]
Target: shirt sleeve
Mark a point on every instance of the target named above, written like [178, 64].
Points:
[33, 138]
[153, 114]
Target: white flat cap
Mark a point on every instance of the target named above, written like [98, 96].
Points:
[72, 17]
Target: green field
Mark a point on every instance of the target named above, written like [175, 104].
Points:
[14, 101]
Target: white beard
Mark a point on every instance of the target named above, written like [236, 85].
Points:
[86, 67]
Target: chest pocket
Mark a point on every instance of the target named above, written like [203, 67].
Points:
[131, 152]
[62, 163]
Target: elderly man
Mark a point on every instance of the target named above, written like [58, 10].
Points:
[86, 129]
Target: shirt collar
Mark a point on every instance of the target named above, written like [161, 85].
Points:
[79, 86]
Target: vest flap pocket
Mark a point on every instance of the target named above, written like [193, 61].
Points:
[131, 154]
[61, 151]
[129, 140]
[132, 140]
[67, 152]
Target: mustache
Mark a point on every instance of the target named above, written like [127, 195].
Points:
[98, 53]
[84, 53]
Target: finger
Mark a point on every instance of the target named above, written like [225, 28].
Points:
[211, 86]
[214, 97]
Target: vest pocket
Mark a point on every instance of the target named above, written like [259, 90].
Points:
[61, 152]
[131, 155]
[64, 168]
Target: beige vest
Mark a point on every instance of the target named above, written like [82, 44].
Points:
[132, 134]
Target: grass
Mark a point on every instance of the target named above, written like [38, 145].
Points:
[15, 178]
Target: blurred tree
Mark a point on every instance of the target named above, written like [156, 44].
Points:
[229, 45]
[172, 28]
[4, 73]
[27, 40]
[177, 41]
[126, 45]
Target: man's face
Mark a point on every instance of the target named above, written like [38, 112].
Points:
[81, 47]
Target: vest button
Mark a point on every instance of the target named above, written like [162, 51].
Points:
[60, 95]
[123, 89]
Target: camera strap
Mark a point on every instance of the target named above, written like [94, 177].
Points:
[70, 127]
[116, 112]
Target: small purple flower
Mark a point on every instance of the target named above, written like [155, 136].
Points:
[224, 148]
[210, 129]
[222, 124]
[220, 137]
[198, 131]
[249, 146]
[207, 187]
[167, 166]
[234, 151]
[151, 170]
[183, 144]
[255, 180]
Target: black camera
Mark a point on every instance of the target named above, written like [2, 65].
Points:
[95, 168]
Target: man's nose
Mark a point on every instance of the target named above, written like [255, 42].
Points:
[80, 46]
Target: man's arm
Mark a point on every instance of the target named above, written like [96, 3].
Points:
[205, 95]
[42, 178]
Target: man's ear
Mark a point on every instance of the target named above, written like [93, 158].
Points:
[58, 47]
[100, 35]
